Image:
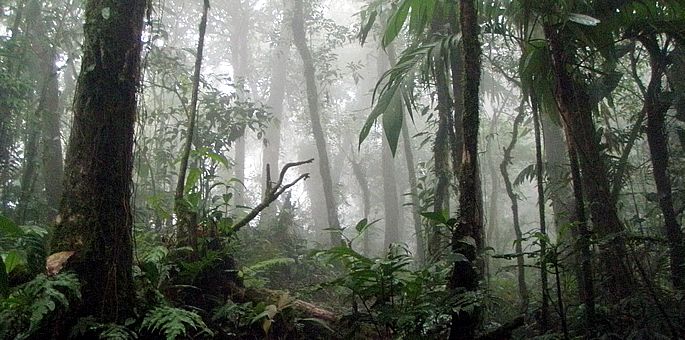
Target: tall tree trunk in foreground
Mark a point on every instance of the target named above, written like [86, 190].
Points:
[300, 41]
[96, 219]
[575, 108]
[656, 109]
[186, 220]
[467, 239]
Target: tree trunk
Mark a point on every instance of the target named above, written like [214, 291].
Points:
[420, 255]
[467, 240]
[391, 204]
[279, 71]
[300, 41]
[186, 220]
[518, 246]
[576, 110]
[52, 164]
[96, 219]
[656, 109]
[544, 286]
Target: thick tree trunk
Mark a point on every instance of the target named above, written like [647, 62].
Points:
[300, 41]
[576, 110]
[467, 240]
[95, 214]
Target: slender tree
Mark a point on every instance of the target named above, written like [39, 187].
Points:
[514, 198]
[186, 225]
[95, 214]
[300, 42]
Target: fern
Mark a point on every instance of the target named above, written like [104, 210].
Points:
[105, 331]
[24, 311]
[173, 322]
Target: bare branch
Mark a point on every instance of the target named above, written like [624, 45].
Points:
[272, 193]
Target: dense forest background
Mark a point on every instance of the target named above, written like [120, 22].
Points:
[313, 169]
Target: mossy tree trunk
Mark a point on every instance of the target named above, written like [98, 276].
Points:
[95, 215]
[467, 239]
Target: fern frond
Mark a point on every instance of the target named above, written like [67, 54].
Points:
[173, 322]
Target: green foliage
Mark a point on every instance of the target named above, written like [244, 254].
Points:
[173, 322]
[109, 331]
[26, 309]
[250, 274]
[394, 299]
[22, 252]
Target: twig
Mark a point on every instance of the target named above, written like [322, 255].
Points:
[272, 193]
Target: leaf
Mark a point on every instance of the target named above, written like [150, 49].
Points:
[381, 107]
[456, 257]
[56, 261]
[395, 23]
[192, 179]
[8, 226]
[392, 121]
[433, 216]
[13, 259]
[322, 323]
[583, 19]
[221, 159]
[527, 174]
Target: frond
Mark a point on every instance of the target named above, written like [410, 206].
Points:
[173, 322]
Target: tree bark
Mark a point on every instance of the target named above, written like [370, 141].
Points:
[420, 255]
[300, 42]
[513, 197]
[279, 71]
[656, 109]
[186, 220]
[467, 239]
[575, 108]
[96, 219]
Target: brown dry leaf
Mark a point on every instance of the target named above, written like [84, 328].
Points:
[55, 262]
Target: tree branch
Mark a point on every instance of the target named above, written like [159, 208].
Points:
[273, 192]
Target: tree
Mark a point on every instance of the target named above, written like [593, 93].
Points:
[655, 109]
[95, 214]
[467, 239]
[300, 42]
[186, 219]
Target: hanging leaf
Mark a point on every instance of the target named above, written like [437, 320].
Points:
[392, 122]
[192, 179]
[396, 23]
[583, 19]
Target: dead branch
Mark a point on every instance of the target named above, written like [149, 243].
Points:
[273, 190]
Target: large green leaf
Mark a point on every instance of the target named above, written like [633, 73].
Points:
[392, 121]
[10, 227]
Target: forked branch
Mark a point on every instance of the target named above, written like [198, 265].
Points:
[273, 190]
